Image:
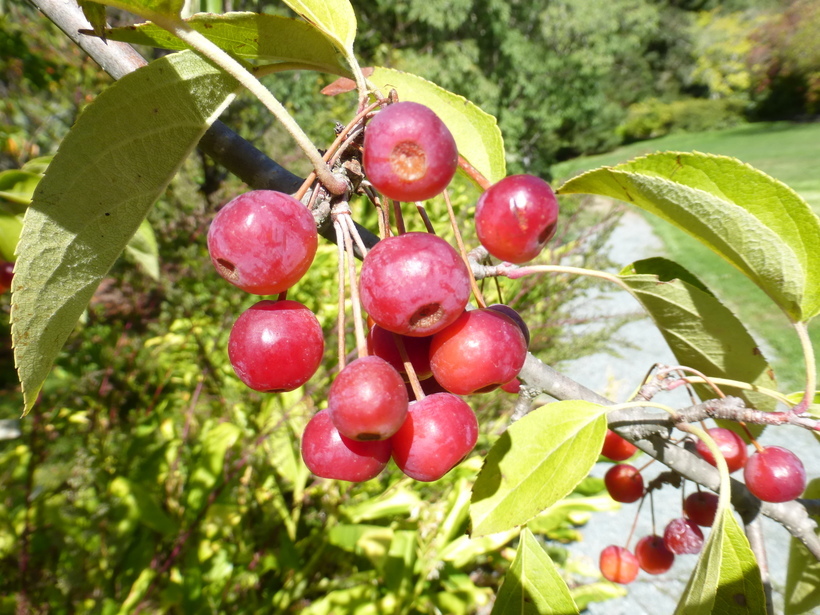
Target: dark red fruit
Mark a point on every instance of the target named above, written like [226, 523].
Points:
[730, 444]
[440, 431]
[624, 483]
[479, 352]
[653, 555]
[409, 154]
[382, 343]
[414, 284]
[263, 241]
[775, 474]
[6, 274]
[618, 565]
[276, 345]
[683, 536]
[513, 386]
[516, 217]
[329, 454]
[367, 400]
[701, 507]
[616, 448]
[515, 316]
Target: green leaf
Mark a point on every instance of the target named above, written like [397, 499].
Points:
[476, 133]
[532, 585]
[248, 35]
[17, 186]
[148, 8]
[573, 510]
[802, 592]
[215, 444]
[596, 592]
[11, 226]
[110, 169]
[702, 332]
[95, 14]
[333, 17]
[726, 579]
[536, 462]
[142, 506]
[144, 250]
[758, 224]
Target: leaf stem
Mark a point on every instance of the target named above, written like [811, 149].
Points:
[811, 368]
[213, 52]
[725, 491]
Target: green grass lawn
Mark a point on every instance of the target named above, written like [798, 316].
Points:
[788, 152]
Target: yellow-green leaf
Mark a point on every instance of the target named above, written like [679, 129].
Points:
[802, 593]
[476, 133]
[333, 17]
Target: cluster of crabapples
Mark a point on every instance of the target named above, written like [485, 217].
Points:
[414, 287]
[772, 474]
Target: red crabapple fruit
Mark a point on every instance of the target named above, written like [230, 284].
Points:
[440, 431]
[516, 317]
[775, 474]
[6, 275]
[409, 154]
[367, 400]
[653, 555]
[516, 217]
[414, 284]
[263, 241]
[276, 345]
[479, 352]
[683, 536]
[701, 507]
[618, 565]
[328, 454]
[624, 483]
[616, 448]
[730, 444]
[382, 343]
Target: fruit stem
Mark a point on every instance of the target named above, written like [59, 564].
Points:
[425, 218]
[479, 297]
[519, 272]
[701, 375]
[213, 52]
[724, 493]
[400, 228]
[361, 341]
[408, 367]
[635, 521]
[746, 386]
[811, 368]
[340, 315]
[474, 173]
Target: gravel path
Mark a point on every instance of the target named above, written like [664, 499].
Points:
[617, 377]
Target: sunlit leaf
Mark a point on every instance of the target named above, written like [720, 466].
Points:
[476, 133]
[209, 466]
[536, 462]
[726, 579]
[333, 17]
[257, 36]
[532, 585]
[110, 169]
[147, 8]
[144, 250]
[95, 14]
[802, 594]
[755, 222]
[701, 332]
[142, 505]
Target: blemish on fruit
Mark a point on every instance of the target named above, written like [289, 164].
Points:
[426, 316]
[408, 161]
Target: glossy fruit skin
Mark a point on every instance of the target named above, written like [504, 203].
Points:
[328, 454]
[479, 352]
[367, 400]
[730, 444]
[701, 507]
[414, 284]
[439, 432]
[409, 153]
[6, 275]
[516, 217]
[382, 343]
[616, 448]
[515, 316]
[775, 475]
[276, 345]
[618, 565]
[263, 241]
[683, 536]
[624, 483]
[653, 555]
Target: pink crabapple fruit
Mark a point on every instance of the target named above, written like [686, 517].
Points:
[616, 448]
[618, 565]
[414, 284]
[276, 346]
[367, 400]
[328, 454]
[263, 241]
[6, 275]
[775, 474]
[683, 536]
[439, 432]
[382, 343]
[482, 350]
[409, 153]
[731, 446]
[653, 555]
[516, 217]
[624, 483]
